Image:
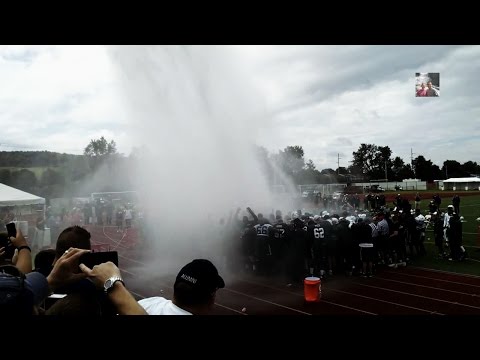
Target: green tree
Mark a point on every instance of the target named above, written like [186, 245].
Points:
[471, 168]
[100, 150]
[426, 170]
[24, 180]
[78, 168]
[51, 177]
[5, 177]
[100, 147]
[372, 160]
[400, 170]
[293, 158]
[309, 174]
[453, 169]
[290, 161]
[356, 172]
[309, 165]
[397, 166]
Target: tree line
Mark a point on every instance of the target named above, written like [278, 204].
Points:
[370, 162]
[102, 168]
[51, 175]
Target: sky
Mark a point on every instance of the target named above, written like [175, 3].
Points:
[328, 99]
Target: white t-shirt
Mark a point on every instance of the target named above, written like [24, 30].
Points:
[128, 214]
[160, 306]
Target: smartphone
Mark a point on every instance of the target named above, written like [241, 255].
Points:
[7, 244]
[96, 258]
[4, 240]
[11, 229]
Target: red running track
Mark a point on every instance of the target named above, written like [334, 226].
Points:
[401, 291]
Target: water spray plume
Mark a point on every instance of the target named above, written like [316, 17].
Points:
[197, 114]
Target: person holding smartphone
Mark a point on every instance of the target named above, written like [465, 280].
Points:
[22, 293]
[107, 278]
[22, 257]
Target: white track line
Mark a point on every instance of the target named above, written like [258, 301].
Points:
[128, 272]
[388, 302]
[270, 287]
[421, 296]
[126, 258]
[297, 294]
[467, 246]
[425, 286]
[446, 272]
[135, 293]
[111, 239]
[226, 307]
[116, 243]
[430, 278]
[348, 307]
[266, 301]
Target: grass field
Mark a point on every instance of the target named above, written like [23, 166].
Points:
[470, 210]
[469, 266]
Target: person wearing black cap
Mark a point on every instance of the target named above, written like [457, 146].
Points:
[193, 292]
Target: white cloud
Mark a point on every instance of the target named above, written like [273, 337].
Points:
[50, 93]
[329, 99]
[366, 95]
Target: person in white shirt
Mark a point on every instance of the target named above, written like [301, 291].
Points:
[446, 223]
[193, 292]
[128, 218]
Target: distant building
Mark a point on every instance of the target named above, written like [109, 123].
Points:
[468, 183]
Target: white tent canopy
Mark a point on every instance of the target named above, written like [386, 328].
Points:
[10, 196]
[463, 180]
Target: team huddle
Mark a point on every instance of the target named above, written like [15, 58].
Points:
[298, 244]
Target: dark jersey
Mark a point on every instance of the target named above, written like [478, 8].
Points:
[264, 230]
[362, 233]
[315, 234]
[281, 235]
[248, 239]
[327, 231]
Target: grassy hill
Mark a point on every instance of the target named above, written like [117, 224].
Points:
[37, 170]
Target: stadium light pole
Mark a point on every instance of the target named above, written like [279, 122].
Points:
[338, 163]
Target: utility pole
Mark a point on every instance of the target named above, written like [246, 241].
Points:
[386, 178]
[338, 164]
[411, 163]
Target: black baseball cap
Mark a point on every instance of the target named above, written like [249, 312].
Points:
[201, 275]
